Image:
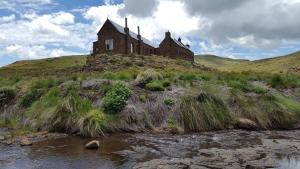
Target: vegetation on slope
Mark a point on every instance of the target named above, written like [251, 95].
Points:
[148, 94]
[289, 63]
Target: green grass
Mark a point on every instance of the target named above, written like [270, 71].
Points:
[204, 112]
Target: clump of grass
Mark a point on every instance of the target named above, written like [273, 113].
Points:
[70, 114]
[147, 76]
[143, 98]
[6, 95]
[204, 112]
[109, 75]
[187, 76]
[169, 101]
[267, 110]
[174, 127]
[116, 98]
[288, 81]
[155, 86]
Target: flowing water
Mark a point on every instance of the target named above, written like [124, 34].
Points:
[222, 149]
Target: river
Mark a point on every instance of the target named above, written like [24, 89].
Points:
[221, 149]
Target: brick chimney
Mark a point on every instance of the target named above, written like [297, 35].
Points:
[127, 38]
[187, 45]
[168, 34]
[179, 39]
[140, 41]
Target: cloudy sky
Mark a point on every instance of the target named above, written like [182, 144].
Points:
[247, 29]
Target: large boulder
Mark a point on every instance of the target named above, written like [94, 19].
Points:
[246, 124]
[94, 84]
[92, 144]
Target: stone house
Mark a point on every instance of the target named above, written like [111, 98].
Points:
[113, 38]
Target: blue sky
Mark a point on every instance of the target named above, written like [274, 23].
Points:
[248, 29]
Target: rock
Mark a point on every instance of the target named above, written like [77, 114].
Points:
[246, 124]
[2, 138]
[93, 144]
[25, 142]
[94, 84]
[64, 86]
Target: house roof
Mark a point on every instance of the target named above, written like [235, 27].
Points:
[180, 44]
[132, 34]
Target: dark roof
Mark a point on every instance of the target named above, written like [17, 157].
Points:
[181, 44]
[132, 34]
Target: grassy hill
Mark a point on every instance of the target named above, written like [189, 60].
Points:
[43, 66]
[280, 64]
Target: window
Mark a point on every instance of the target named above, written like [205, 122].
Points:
[131, 48]
[109, 43]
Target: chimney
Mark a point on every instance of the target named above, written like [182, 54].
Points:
[187, 45]
[139, 35]
[126, 29]
[168, 34]
[179, 39]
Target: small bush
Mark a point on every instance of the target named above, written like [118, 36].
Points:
[147, 76]
[169, 101]
[155, 86]
[115, 99]
[6, 95]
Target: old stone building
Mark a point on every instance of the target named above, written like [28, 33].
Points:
[113, 38]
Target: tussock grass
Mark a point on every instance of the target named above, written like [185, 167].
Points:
[70, 114]
[147, 76]
[268, 110]
[204, 112]
[7, 94]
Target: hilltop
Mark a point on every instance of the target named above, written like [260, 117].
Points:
[282, 64]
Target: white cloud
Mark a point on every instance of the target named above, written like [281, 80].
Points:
[7, 18]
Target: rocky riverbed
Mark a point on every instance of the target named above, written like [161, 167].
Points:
[209, 150]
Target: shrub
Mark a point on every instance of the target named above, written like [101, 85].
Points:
[115, 99]
[169, 101]
[204, 112]
[147, 76]
[6, 95]
[155, 86]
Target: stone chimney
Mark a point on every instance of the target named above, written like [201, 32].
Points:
[179, 39]
[126, 29]
[168, 34]
[187, 45]
[139, 34]
[127, 38]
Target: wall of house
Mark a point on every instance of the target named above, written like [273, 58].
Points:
[169, 48]
[108, 31]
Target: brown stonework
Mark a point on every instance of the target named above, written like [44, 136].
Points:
[122, 40]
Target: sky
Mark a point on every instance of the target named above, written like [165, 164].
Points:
[240, 29]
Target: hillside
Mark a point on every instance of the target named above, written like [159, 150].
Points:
[43, 66]
[280, 64]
